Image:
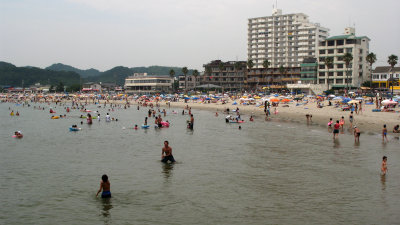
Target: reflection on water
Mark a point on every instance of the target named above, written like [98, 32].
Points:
[336, 143]
[383, 181]
[106, 206]
[167, 170]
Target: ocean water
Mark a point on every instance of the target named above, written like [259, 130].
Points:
[269, 172]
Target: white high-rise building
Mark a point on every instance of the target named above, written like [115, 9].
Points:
[284, 40]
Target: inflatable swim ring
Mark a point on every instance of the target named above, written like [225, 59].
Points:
[234, 121]
[165, 124]
[74, 129]
[55, 117]
[145, 126]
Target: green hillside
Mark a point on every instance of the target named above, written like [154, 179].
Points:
[15, 76]
[84, 73]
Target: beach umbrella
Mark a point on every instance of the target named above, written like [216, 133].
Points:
[352, 102]
[285, 100]
[274, 100]
[346, 100]
[389, 102]
[186, 98]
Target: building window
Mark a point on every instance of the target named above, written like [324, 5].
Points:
[339, 66]
[340, 73]
[340, 50]
[331, 51]
[321, 52]
[339, 81]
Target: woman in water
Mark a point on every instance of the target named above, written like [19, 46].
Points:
[105, 186]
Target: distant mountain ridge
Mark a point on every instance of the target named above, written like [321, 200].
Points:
[116, 74]
[58, 72]
[26, 76]
[84, 73]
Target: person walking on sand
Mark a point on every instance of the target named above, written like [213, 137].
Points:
[384, 168]
[384, 133]
[356, 134]
[166, 153]
[105, 186]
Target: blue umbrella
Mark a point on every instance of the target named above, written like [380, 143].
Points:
[186, 98]
[208, 98]
[346, 100]
[195, 98]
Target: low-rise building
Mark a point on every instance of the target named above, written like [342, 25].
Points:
[148, 84]
[381, 77]
[91, 87]
[336, 47]
[191, 82]
[229, 75]
[272, 78]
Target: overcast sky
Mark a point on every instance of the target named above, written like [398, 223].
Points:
[102, 34]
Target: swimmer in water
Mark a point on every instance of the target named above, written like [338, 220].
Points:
[18, 134]
[105, 186]
[384, 166]
[166, 153]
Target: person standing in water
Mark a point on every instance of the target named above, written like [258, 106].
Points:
[89, 119]
[384, 166]
[384, 133]
[356, 134]
[166, 153]
[105, 186]
[191, 122]
[336, 128]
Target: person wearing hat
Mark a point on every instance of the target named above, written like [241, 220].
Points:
[356, 134]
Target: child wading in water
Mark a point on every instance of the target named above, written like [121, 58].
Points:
[384, 133]
[384, 167]
[105, 186]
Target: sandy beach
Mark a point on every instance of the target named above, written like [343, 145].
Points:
[366, 120]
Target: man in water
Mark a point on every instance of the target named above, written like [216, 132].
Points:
[191, 122]
[166, 153]
[105, 186]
